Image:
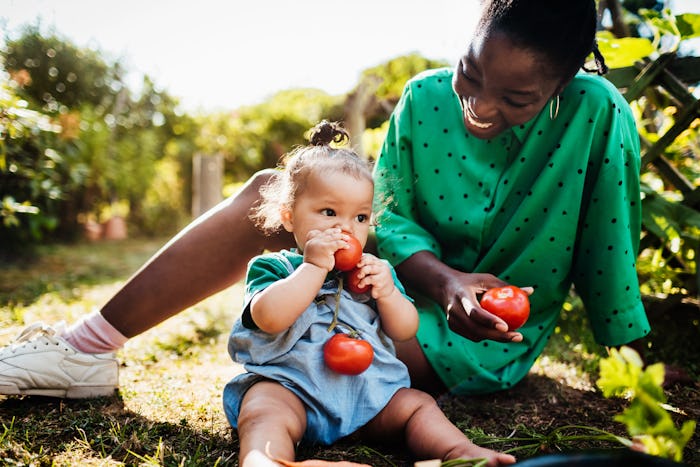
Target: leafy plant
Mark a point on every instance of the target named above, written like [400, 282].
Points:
[622, 374]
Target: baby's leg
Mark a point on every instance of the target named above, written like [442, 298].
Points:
[428, 433]
[270, 413]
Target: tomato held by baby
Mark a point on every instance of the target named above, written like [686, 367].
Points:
[352, 282]
[347, 258]
[509, 303]
[347, 355]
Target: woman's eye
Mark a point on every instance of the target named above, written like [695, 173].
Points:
[466, 76]
[328, 212]
[513, 103]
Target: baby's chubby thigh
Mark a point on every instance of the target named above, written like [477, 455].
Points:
[271, 413]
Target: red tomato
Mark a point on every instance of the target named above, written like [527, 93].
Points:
[347, 355]
[509, 303]
[351, 282]
[347, 258]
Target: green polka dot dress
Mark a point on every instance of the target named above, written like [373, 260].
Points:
[545, 204]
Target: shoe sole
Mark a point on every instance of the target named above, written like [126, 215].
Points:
[74, 392]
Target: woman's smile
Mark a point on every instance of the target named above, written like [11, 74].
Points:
[471, 116]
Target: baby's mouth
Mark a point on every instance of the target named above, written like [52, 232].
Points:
[471, 116]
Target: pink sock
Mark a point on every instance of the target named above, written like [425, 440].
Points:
[94, 334]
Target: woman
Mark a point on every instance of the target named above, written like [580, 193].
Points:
[508, 169]
[541, 190]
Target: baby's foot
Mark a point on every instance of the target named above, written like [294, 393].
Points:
[472, 451]
[256, 458]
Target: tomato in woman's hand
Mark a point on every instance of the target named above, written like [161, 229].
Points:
[347, 258]
[509, 303]
[352, 282]
[347, 355]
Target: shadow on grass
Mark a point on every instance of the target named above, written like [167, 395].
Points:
[49, 431]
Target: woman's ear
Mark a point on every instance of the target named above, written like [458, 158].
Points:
[286, 218]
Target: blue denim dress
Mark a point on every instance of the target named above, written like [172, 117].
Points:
[336, 405]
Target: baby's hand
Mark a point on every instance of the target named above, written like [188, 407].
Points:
[375, 273]
[320, 247]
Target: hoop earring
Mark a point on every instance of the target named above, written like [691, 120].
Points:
[554, 107]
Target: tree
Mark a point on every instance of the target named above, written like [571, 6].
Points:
[370, 103]
[57, 73]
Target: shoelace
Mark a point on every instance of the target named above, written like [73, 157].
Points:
[29, 334]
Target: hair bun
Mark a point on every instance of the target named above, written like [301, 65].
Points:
[325, 133]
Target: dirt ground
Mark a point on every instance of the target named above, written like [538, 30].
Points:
[555, 395]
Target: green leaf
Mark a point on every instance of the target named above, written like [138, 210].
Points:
[688, 25]
[651, 381]
[622, 52]
[645, 416]
[617, 376]
[666, 219]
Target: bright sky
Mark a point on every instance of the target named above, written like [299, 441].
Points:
[224, 54]
[227, 53]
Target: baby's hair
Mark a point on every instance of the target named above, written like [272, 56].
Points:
[322, 155]
[562, 31]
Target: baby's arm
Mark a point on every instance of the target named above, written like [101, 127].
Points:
[398, 315]
[277, 307]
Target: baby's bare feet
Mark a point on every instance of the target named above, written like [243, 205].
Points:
[472, 451]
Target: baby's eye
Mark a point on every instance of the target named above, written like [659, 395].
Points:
[328, 212]
[362, 218]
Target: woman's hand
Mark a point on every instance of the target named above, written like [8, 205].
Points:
[464, 314]
[457, 293]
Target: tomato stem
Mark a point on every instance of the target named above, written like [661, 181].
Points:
[352, 332]
[336, 309]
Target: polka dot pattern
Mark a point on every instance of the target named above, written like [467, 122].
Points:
[544, 204]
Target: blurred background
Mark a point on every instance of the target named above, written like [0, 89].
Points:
[135, 117]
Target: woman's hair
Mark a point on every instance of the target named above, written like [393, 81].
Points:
[561, 31]
[322, 155]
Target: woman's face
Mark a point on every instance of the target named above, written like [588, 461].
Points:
[501, 85]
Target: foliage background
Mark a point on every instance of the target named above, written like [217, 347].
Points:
[77, 146]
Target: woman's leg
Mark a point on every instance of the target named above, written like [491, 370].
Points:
[270, 413]
[427, 432]
[206, 257]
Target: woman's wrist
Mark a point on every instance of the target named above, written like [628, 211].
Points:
[426, 274]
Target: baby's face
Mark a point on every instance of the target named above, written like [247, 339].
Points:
[333, 199]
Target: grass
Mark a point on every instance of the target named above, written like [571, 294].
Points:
[168, 410]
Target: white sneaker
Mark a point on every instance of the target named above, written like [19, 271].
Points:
[41, 363]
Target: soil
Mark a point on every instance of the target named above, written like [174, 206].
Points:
[556, 395]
